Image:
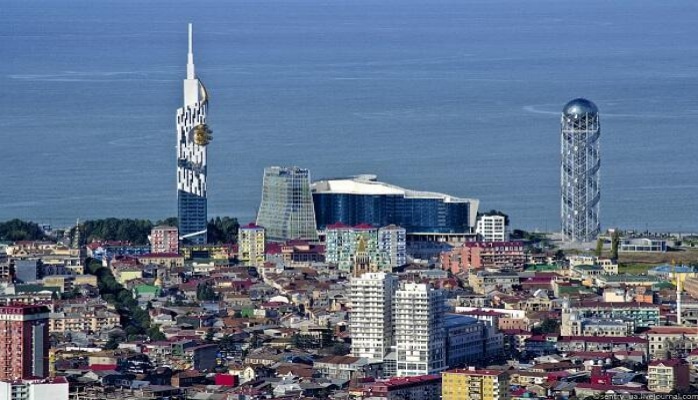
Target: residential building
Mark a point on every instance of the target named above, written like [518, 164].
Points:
[640, 315]
[385, 247]
[418, 316]
[465, 339]
[363, 199]
[251, 245]
[370, 320]
[24, 337]
[286, 211]
[164, 239]
[34, 389]
[346, 367]
[492, 228]
[599, 344]
[192, 137]
[392, 245]
[424, 387]
[484, 255]
[7, 269]
[471, 384]
[600, 327]
[579, 172]
[73, 319]
[665, 376]
[484, 282]
[167, 260]
[671, 341]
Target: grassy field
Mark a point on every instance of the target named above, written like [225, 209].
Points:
[639, 263]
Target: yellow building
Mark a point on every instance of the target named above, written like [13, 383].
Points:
[475, 384]
[251, 241]
[124, 275]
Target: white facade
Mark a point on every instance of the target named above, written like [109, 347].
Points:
[418, 316]
[492, 228]
[34, 390]
[191, 178]
[192, 137]
[370, 320]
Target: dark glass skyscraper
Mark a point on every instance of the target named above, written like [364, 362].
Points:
[363, 199]
[192, 137]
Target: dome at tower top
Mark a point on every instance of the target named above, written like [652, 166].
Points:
[580, 106]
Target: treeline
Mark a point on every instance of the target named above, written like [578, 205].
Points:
[16, 229]
[223, 230]
[134, 319]
[136, 231]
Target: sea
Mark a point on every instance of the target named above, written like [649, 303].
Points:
[456, 96]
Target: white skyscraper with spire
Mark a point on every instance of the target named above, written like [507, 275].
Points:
[193, 136]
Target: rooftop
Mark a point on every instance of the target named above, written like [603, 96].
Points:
[580, 106]
[477, 372]
[370, 186]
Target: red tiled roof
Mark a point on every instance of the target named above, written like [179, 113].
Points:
[394, 383]
[615, 388]
[493, 244]
[481, 312]
[338, 225]
[667, 363]
[364, 226]
[603, 339]
[160, 255]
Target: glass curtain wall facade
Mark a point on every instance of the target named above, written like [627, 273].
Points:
[362, 199]
[286, 211]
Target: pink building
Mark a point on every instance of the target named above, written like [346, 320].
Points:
[479, 255]
[164, 239]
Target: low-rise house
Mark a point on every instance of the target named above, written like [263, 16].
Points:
[346, 367]
[424, 387]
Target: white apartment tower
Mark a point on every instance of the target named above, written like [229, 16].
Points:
[418, 318]
[370, 320]
[492, 228]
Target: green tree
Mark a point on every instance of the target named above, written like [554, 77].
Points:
[204, 292]
[548, 325]
[16, 229]
[615, 243]
[599, 247]
[223, 230]
[135, 231]
[154, 333]
[171, 221]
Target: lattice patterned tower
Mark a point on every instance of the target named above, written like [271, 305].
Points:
[580, 171]
[192, 137]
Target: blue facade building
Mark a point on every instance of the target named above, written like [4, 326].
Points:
[363, 199]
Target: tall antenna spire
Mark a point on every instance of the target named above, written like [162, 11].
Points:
[190, 55]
